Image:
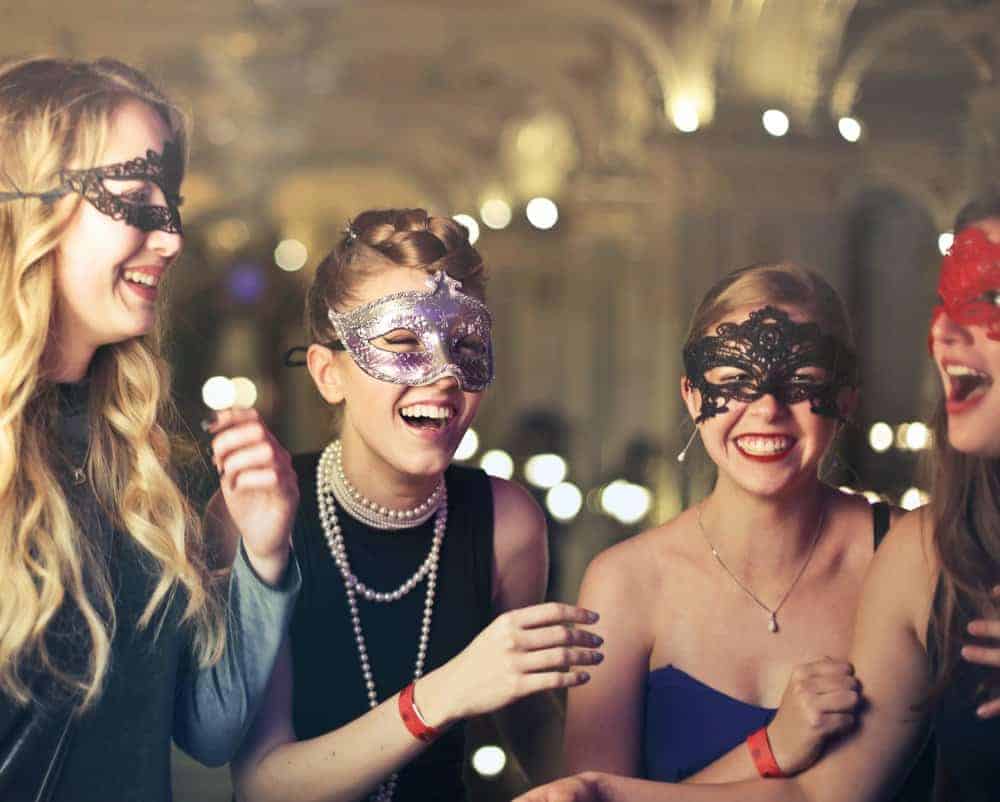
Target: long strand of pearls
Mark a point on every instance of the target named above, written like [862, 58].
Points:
[325, 494]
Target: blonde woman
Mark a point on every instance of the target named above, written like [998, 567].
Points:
[109, 623]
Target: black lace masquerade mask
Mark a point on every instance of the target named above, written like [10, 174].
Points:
[769, 354]
[165, 171]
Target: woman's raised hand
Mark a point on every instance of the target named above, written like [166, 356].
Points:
[258, 485]
[524, 651]
[820, 700]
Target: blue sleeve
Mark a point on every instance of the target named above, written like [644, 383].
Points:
[215, 706]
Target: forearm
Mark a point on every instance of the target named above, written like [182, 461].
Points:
[344, 765]
[215, 706]
[628, 789]
[733, 766]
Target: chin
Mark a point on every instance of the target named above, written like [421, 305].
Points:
[970, 441]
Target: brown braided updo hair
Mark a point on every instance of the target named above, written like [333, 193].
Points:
[381, 238]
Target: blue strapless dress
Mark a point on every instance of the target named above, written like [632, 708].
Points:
[689, 724]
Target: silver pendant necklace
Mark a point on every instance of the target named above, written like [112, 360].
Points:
[328, 497]
[772, 612]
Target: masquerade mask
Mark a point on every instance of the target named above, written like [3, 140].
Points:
[164, 171]
[767, 354]
[969, 284]
[443, 332]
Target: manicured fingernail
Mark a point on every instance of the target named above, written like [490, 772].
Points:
[598, 657]
[597, 640]
[975, 627]
[967, 652]
[593, 617]
[981, 711]
[584, 676]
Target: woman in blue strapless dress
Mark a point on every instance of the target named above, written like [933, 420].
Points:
[736, 615]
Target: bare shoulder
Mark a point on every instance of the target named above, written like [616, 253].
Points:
[904, 569]
[518, 521]
[634, 571]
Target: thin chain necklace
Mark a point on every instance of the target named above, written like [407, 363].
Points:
[326, 492]
[772, 621]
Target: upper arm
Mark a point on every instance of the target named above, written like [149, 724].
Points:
[891, 663]
[604, 716]
[273, 725]
[520, 548]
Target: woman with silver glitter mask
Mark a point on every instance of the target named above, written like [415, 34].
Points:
[738, 666]
[421, 580]
[114, 635]
[926, 642]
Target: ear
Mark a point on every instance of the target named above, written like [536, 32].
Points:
[691, 398]
[847, 402]
[326, 371]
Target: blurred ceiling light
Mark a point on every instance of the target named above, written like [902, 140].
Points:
[542, 213]
[872, 496]
[489, 760]
[944, 242]
[545, 470]
[497, 463]
[914, 497]
[244, 392]
[775, 122]
[626, 502]
[880, 437]
[850, 128]
[469, 445]
[684, 114]
[564, 501]
[291, 255]
[218, 393]
[918, 436]
[230, 234]
[470, 223]
[496, 213]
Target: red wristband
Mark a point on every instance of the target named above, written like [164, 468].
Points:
[410, 714]
[763, 757]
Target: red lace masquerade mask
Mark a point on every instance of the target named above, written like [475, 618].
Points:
[969, 284]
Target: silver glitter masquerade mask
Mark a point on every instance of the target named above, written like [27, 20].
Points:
[443, 332]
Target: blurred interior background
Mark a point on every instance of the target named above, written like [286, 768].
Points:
[614, 158]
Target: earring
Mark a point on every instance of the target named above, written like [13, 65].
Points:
[683, 455]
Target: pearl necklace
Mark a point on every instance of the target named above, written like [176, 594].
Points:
[326, 492]
[369, 512]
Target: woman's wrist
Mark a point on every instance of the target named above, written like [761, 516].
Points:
[269, 568]
[434, 696]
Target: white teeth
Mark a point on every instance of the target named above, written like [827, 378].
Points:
[764, 445]
[139, 277]
[427, 411]
[964, 370]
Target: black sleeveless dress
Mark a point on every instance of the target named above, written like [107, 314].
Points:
[968, 746]
[329, 690]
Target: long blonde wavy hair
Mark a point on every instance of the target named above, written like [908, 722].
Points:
[56, 113]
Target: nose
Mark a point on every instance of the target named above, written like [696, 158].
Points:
[446, 382]
[165, 244]
[945, 331]
[767, 407]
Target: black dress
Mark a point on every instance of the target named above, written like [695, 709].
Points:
[329, 691]
[968, 746]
